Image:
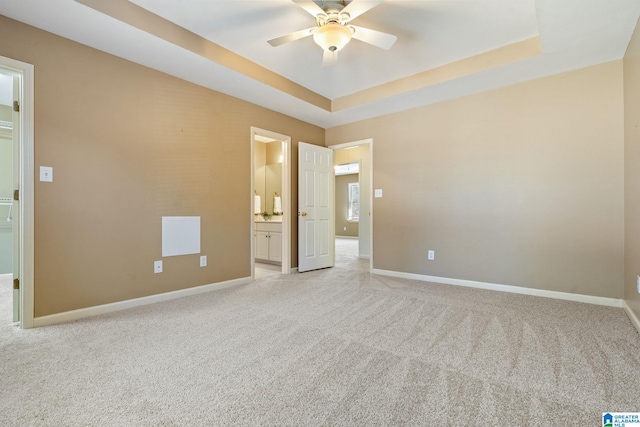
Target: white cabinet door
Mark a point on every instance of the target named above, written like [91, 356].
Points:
[275, 246]
[262, 244]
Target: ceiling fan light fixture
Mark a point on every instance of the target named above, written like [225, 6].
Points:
[332, 36]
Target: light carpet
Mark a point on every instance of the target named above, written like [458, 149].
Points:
[332, 347]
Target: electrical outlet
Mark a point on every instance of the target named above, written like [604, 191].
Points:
[431, 255]
[377, 193]
[157, 266]
[203, 261]
[345, 229]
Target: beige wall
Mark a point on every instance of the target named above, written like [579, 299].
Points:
[344, 227]
[632, 170]
[518, 186]
[350, 155]
[129, 145]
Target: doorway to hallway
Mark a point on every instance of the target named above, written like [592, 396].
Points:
[353, 163]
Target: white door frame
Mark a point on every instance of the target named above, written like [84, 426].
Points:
[286, 197]
[368, 142]
[26, 174]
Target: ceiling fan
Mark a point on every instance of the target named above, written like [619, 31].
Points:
[333, 30]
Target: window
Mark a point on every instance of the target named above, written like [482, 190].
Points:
[354, 202]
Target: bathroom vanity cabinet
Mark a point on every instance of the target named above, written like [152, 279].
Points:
[268, 242]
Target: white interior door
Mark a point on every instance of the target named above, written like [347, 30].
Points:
[315, 207]
[15, 211]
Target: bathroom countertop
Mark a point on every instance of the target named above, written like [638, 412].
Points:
[277, 218]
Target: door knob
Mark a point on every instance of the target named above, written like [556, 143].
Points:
[303, 214]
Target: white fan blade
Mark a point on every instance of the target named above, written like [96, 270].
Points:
[329, 59]
[291, 37]
[373, 37]
[358, 7]
[312, 8]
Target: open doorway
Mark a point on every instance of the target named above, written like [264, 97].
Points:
[270, 203]
[353, 189]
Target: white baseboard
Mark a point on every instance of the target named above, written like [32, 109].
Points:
[589, 299]
[347, 237]
[632, 316]
[136, 302]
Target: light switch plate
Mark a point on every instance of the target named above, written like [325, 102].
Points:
[46, 174]
[203, 261]
[377, 192]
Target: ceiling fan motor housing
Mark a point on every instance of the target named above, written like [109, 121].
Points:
[332, 14]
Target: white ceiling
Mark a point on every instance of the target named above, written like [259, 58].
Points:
[431, 33]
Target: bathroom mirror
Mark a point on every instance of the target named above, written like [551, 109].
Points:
[273, 185]
[268, 173]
